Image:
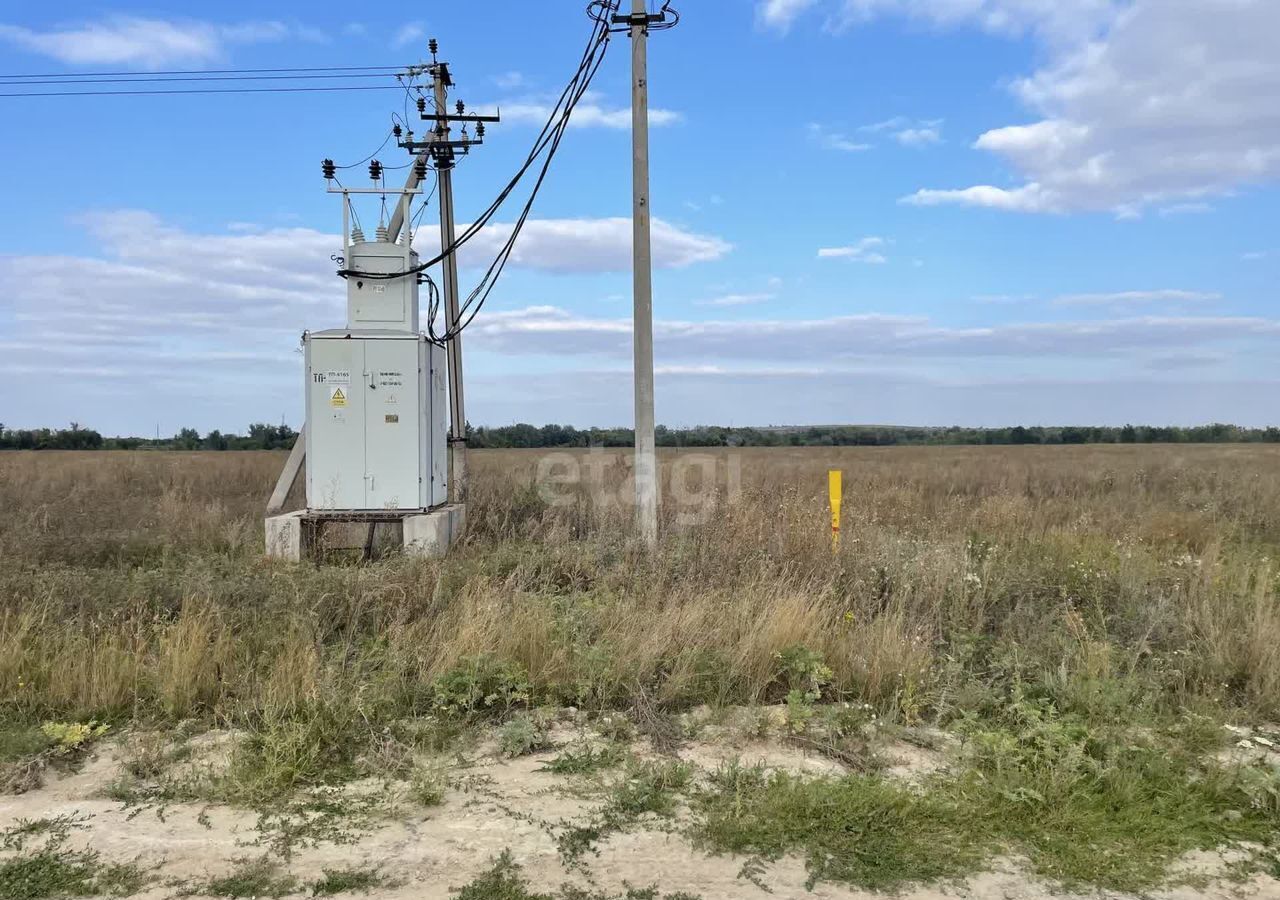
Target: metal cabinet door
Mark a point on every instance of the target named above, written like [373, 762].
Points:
[393, 453]
[335, 424]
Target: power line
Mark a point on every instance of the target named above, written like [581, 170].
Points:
[391, 69]
[281, 90]
[179, 80]
[549, 136]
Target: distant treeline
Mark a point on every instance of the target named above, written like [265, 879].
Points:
[281, 437]
[260, 437]
[866, 436]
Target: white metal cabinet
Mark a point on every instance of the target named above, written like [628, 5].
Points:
[376, 414]
[335, 424]
[392, 437]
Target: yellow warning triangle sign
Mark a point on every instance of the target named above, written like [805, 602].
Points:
[338, 395]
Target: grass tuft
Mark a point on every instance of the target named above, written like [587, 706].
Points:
[347, 881]
[260, 877]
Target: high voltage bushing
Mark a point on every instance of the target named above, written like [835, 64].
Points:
[396, 130]
[420, 169]
[422, 104]
[375, 170]
[329, 169]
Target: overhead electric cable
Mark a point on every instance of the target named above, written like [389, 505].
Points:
[282, 90]
[389, 69]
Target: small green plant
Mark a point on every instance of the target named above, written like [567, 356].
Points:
[804, 670]
[347, 881]
[521, 735]
[322, 815]
[17, 836]
[616, 728]
[805, 675]
[56, 871]
[859, 829]
[650, 787]
[260, 877]
[67, 738]
[646, 788]
[481, 684]
[503, 881]
[20, 743]
[586, 760]
[427, 785]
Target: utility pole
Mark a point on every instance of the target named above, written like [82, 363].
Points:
[646, 461]
[449, 279]
[442, 150]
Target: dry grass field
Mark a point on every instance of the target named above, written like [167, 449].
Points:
[1027, 670]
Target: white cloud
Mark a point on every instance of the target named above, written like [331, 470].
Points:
[919, 137]
[864, 251]
[1028, 198]
[1143, 103]
[204, 326]
[592, 245]
[1053, 20]
[908, 132]
[201, 329]
[837, 339]
[589, 113]
[152, 279]
[147, 43]
[509, 80]
[833, 140]
[1125, 298]
[802, 395]
[1254, 256]
[779, 14]
[1186, 209]
[409, 33]
[737, 299]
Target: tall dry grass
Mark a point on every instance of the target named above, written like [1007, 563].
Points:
[132, 584]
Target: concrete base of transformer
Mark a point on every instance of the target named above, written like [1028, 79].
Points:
[298, 535]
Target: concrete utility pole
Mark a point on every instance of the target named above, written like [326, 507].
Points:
[442, 150]
[646, 461]
[449, 269]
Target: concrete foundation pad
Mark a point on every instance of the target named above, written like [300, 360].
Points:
[287, 536]
[432, 534]
[298, 535]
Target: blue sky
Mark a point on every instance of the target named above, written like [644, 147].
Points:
[973, 212]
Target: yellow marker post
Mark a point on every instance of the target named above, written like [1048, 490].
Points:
[835, 490]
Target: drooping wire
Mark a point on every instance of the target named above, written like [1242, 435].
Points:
[277, 90]
[371, 155]
[145, 79]
[547, 137]
[592, 59]
[388, 69]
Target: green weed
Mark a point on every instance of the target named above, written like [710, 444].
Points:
[521, 735]
[252, 878]
[481, 684]
[586, 760]
[345, 881]
[504, 881]
[57, 871]
[859, 829]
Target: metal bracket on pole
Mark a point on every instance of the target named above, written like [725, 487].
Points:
[637, 20]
